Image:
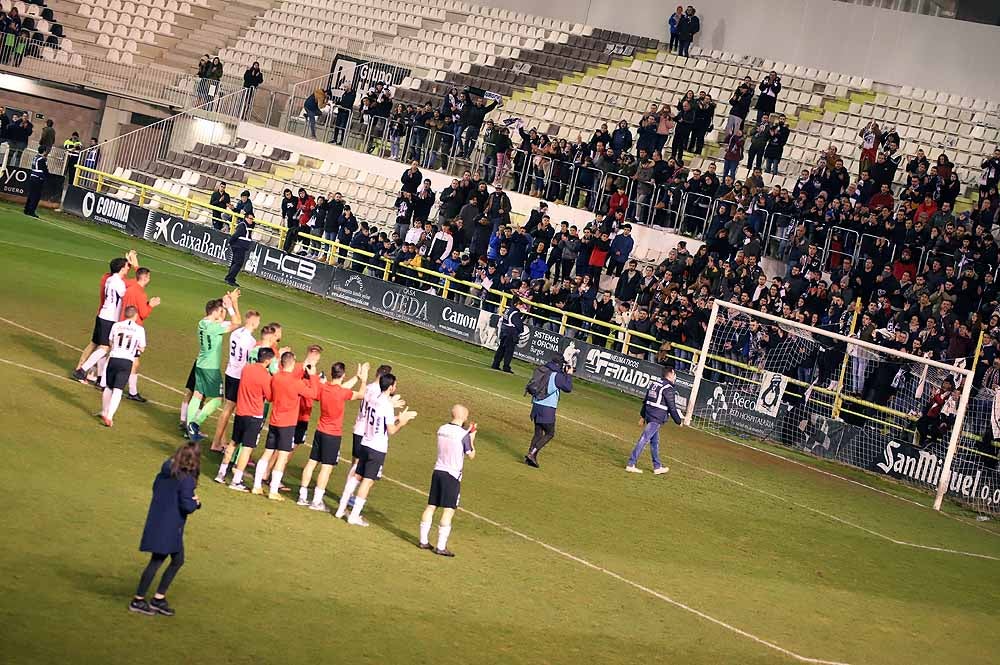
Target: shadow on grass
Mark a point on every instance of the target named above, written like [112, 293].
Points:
[39, 347]
[78, 399]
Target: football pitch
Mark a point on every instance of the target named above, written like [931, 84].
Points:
[741, 554]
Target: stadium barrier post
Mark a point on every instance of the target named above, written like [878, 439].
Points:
[444, 289]
[387, 270]
[562, 324]
[838, 401]
[700, 368]
[956, 429]
[626, 340]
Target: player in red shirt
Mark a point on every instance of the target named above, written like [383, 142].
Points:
[334, 393]
[254, 390]
[135, 296]
[287, 386]
[305, 415]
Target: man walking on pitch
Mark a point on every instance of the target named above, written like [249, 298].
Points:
[509, 330]
[380, 423]
[241, 345]
[333, 395]
[254, 391]
[287, 386]
[659, 405]
[547, 382]
[207, 371]
[127, 339]
[454, 444]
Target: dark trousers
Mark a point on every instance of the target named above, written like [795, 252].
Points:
[236, 265]
[543, 434]
[696, 142]
[683, 46]
[615, 269]
[674, 42]
[754, 158]
[505, 352]
[34, 195]
[176, 561]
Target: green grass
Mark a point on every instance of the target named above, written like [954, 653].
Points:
[761, 542]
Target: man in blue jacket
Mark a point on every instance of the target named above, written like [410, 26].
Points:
[544, 405]
[659, 405]
[621, 249]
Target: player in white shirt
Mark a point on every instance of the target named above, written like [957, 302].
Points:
[372, 392]
[454, 444]
[380, 422]
[109, 313]
[241, 345]
[127, 339]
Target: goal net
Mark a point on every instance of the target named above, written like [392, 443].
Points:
[825, 392]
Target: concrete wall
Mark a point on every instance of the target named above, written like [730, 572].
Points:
[887, 46]
[69, 111]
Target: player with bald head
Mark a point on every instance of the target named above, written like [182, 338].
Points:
[455, 442]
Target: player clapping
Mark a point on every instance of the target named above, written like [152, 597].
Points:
[454, 444]
[254, 390]
[241, 345]
[127, 339]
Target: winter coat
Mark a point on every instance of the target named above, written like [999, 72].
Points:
[173, 500]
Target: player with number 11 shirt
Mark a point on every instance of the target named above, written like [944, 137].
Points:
[126, 340]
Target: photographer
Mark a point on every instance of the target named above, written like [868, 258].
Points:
[768, 98]
[739, 107]
[547, 382]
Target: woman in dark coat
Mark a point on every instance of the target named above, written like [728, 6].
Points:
[173, 500]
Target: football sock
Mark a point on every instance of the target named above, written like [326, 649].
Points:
[105, 401]
[92, 360]
[318, 496]
[349, 487]
[425, 532]
[223, 468]
[443, 533]
[102, 366]
[207, 410]
[237, 476]
[276, 480]
[303, 494]
[258, 475]
[184, 412]
[116, 399]
[133, 384]
[192, 410]
[356, 511]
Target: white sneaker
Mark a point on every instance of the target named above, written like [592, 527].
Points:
[361, 521]
[321, 507]
[221, 480]
[633, 469]
[303, 501]
[340, 514]
[239, 487]
[662, 470]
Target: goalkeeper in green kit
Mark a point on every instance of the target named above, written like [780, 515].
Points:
[208, 367]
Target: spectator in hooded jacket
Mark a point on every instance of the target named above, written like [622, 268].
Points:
[253, 78]
[688, 27]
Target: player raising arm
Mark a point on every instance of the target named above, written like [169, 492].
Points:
[454, 444]
[127, 339]
[135, 296]
[254, 391]
[241, 345]
[287, 386]
[381, 422]
[108, 314]
[335, 392]
[207, 368]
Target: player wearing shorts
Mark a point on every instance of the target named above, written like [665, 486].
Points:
[207, 367]
[381, 422]
[371, 394]
[254, 391]
[241, 345]
[108, 314]
[135, 296]
[126, 338]
[334, 393]
[287, 386]
[454, 444]
[304, 415]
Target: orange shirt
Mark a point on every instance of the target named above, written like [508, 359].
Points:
[331, 408]
[135, 296]
[255, 389]
[286, 389]
[305, 403]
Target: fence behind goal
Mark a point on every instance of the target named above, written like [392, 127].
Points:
[829, 394]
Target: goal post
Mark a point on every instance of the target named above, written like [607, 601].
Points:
[865, 404]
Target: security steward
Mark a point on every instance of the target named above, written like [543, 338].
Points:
[240, 243]
[509, 330]
[72, 146]
[36, 180]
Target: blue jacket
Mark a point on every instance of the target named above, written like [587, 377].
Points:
[621, 248]
[660, 403]
[494, 247]
[537, 268]
[173, 500]
[543, 410]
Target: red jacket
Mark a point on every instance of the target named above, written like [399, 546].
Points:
[619, 201]
[599, 253]
[306, 207]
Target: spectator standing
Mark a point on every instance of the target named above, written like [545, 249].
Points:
[733, 154]
[685, 120]
[498, 208]
[739, 107]
[253, 78]
[704, 113]
[767, 99]
[344, 107]
[621, 249]
[204, 67]
[547, 384]
[412, 178]
[688, 27]
[220, 199]
[758, 142]
[48, 136]
[174, 498]
[870, 139]
[313, 108]
[215, 71]
[36, 180]
[673, 23]
[18, 133]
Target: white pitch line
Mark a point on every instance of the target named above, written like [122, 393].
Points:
[572, 557]
[714, 474]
